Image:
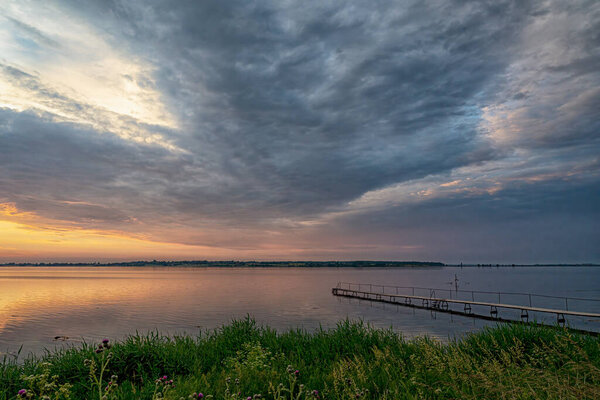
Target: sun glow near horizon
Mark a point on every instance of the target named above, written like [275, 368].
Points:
[26, 241]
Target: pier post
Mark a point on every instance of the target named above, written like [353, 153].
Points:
[493, 312]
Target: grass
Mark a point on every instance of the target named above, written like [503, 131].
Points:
[352, 361]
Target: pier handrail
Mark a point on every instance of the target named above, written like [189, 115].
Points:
[479, 303]
[472, 292]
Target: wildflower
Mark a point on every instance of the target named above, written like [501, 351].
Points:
[22, 392]
[296, 372]
[315, 393]
[99, 350]
[249, 398]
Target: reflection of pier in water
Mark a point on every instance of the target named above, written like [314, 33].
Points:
[454, 302]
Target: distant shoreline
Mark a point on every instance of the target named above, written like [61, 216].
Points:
[288, 264]
[240, 264]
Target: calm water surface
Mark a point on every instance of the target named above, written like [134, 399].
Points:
[37, 304]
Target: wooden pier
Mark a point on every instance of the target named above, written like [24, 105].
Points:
[465, 307]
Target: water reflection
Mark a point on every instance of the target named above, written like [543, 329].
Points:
[39, 304]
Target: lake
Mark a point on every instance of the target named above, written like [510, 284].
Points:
[38, 304]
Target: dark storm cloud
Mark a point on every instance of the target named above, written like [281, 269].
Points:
[58, 169]
[553, 221]
[289, 111]
[313, 107]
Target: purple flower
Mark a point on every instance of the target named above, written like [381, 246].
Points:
[99, 350]
[296, 372]
[105, 341]
[200, 395]
[249, 398]
[164, 378]
[22, 392]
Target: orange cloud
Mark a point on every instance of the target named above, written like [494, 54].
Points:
[11, 210]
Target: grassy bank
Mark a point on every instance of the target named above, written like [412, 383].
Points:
[242, 360]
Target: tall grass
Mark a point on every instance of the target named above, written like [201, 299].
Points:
[350, 361]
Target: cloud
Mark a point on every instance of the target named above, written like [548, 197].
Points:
[274, 126]
[24, 91]
[33, 33]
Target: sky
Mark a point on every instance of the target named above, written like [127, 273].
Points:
[450, 131]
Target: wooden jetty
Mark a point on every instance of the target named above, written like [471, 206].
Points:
[466, 307]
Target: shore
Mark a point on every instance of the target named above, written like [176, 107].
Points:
[246, 361]
[241, 264]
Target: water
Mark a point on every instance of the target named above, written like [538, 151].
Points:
[38, 304]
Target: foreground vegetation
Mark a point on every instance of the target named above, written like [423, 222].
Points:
[245, 361]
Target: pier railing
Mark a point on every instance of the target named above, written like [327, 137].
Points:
[474, 309]
[516, 298]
